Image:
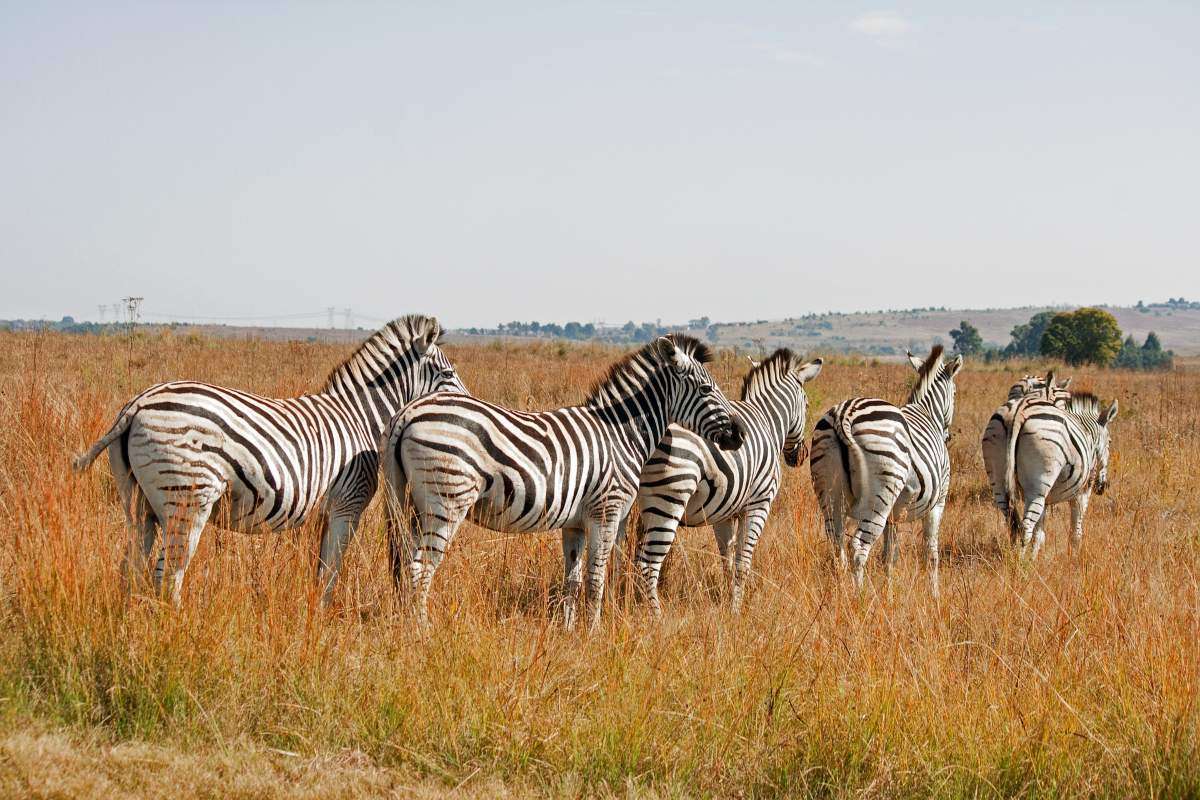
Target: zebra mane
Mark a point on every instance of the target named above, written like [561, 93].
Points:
[648, 354]
[377, 353]
[1085, 404]
[783, 356]
[928, 373]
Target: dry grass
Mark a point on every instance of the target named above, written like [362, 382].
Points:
[1048, 680]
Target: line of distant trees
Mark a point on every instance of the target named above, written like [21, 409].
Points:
[630, 332]
[1083, 336]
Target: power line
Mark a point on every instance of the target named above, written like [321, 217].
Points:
[251, 317]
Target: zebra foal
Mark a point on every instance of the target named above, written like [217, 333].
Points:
[880, 464]
[181, 450]
[1056, 453]
[577, 468]
[690, 481]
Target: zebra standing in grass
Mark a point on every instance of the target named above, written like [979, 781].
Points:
[880, 463]
[574, 468]
[689, 481]
[1055, 454]
[179, 448]
[995, 436]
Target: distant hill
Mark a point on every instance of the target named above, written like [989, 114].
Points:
[887, 333]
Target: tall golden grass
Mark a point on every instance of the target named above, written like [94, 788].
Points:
[1058, 678]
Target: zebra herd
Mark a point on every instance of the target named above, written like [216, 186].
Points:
[655, 429]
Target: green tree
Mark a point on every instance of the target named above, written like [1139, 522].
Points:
[1152, 344]
[966, 338]
[1130, 356]
[1027, 338]
[1084, 336]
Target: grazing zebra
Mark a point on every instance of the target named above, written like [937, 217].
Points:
[574, 468]
[1055, 454]
[880, 463]
[995, 435]
[689, 481]
[178, 448]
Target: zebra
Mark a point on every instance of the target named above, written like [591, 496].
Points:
[994, 444]
[574, 468]
[689, 481]
[1055, 454]
[880, 463]
[181, 449]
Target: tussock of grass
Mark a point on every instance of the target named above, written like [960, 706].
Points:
[1050, 679]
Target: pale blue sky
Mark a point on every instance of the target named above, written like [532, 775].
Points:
[496, 161]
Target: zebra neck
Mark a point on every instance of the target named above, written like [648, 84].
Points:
[371, 402]
[635, 407]
[778, 405]
[932, 405]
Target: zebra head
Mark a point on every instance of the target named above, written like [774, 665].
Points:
[794, 448]
[935, 387]
[420, 367]
[1057, 393]
[694, 399]
[777, 383]
[1030, 384]
[1106, 418]
[398, 364]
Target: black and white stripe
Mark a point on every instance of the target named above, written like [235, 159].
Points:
[1055, 454]
[882, 464]
[689, 481]
[994, 444]
[577, 468]
[181, 450]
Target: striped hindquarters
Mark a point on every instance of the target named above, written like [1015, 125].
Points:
[276, 458]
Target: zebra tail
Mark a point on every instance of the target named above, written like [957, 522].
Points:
[859, 473]
[1010, 468]
[394, 476]
[83, 460]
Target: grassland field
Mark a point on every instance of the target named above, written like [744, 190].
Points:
[1060, 678]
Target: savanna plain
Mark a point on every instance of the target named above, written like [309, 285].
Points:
[1059, 678]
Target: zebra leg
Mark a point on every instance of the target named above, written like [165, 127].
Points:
[1079, 504]
[573, 543]
[832, 499]
[725, 533]
[403, 536]
[890, 552]
[932, 525]
[1035, 508]
[143, 533]
[750, 528]
[600, 535]
[618, 553]
[180, 538]
[437, 531]
[865, 534]
[339, 530]
[1039, 538]
[141, 518]
[658, 534]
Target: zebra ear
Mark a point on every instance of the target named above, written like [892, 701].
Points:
[1050, 384]
[806, 372]
[671, 354]
[1109, 414]
[1065, 385]
[954, 366]
[916, 362]
[429, 336]
[753, 364]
